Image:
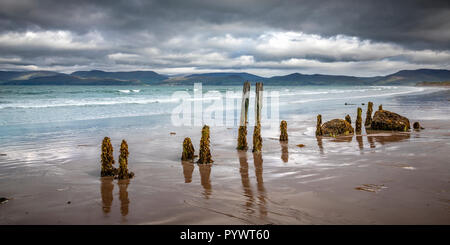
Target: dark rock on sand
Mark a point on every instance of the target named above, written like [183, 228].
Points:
[337, 127]
[417, 126]
[386, 120]
[3, 200]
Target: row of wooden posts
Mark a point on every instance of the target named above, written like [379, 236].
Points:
[205, 154]
[204, 157]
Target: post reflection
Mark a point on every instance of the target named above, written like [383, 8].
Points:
[359, 139]
[205, 173]
[106, 190]
[188, 169]
[258, 162]
[123, 196]
[284, 151]
[320, 144]
[248, 193]
[371, 141]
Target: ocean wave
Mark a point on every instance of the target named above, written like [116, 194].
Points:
[357, 96]
[127, 91]
[71, 103]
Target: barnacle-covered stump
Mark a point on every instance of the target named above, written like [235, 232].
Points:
[348, 119]
[205, 153]
[283, 131]
[242, 133]
[319, 126]
[188, 150]
[358, 121]
[257, 139]
[386, 120]
[369, 115]
[123, 162]
[107, 159]
[242, 138]
[336, 127]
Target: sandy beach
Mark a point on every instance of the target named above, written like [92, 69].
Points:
[376, 178]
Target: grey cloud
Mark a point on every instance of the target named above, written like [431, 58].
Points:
[177, 34]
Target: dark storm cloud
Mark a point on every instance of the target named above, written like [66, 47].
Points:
[250, 34]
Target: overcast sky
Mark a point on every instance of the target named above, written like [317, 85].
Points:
[267, 38]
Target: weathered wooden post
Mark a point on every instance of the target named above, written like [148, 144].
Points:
[283, 131]
[358, 121]
[188, 150]
[257, 140]
[107, 159]
[348, 119]
[319, 126]
[205, 153]
[123, 162]
[242, 134]
[368, 121]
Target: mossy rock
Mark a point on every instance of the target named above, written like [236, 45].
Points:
[386, 120]
[337, 127]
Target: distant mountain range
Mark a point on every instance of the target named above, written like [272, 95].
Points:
[97, 77]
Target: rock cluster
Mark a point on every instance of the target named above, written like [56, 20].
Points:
[336, 127]
[386, 120]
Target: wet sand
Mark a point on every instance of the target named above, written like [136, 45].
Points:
[379, 178]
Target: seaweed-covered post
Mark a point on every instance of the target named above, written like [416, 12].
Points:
[319, 126]
[257, 140]
[369, 115]
[358, 121]
[283, 131]
[107, 158]
[242, 135]
[188, 150]
[348, 119]
[123, 162]
[380, 107]
[205, 153]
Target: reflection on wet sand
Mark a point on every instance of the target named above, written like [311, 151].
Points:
[284, 151]
[383, 139]
[359, 138]
[391, 138]
[106, 189]
[188, 169]
[342, 139]
[320, 144]
[248, 193]
[371, 141]
[258, 162]
[123, 196]
[205, 173]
